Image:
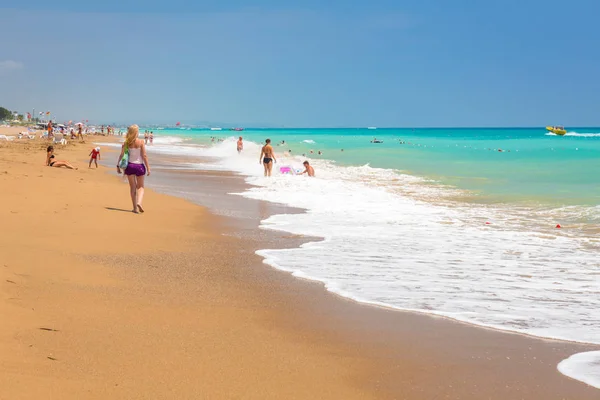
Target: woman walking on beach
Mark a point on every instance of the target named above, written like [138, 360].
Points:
[137, 166]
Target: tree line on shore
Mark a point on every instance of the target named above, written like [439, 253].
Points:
[7, 115]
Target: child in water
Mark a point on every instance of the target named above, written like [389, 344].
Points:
[95, 155]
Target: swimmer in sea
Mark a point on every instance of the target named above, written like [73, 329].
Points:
[240, 145]
[269, 157]
[308, 169]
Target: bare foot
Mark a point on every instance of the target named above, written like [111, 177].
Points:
[135, 211]
[140, 208]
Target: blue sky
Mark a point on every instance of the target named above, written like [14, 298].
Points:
[305, 63]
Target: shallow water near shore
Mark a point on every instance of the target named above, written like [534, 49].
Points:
[435, 221]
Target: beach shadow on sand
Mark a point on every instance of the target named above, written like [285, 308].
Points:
[117, 209]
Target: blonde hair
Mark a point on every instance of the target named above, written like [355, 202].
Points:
[132, 134]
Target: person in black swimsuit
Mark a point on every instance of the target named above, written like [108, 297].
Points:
[52, 162]
[269, 157]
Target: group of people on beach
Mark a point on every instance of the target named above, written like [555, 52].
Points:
[132, 162]
[148, 137]
[52, 130]
[109, 130]
[267, 158]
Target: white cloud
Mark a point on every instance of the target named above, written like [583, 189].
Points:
[10, 65]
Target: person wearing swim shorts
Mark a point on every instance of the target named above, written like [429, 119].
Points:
[267, 157]
[137, 166]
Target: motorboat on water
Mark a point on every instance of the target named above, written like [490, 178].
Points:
[557, 130]
[375, 140]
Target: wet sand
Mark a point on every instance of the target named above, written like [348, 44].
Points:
[102, 303]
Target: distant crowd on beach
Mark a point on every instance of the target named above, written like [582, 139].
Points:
[77, 131]
[148, 137]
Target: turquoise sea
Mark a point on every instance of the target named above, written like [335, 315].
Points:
[532, 166]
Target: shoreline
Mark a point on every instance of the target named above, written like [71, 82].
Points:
[378, 353]
[576, 347]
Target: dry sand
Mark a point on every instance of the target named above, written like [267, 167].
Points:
[82, 319]
[97, 303]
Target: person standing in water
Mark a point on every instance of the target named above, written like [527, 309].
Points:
[240, 145]
[269, 157]
[137, 166]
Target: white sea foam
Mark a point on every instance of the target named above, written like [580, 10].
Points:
[167, 140]
[575, 134]
[309, 141]
[584, 367]
[399, 241]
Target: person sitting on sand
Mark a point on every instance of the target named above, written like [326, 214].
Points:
[52, 162]
[269, 157]
[308, 169]
[137, 166]
[95, 156]
[240, 145]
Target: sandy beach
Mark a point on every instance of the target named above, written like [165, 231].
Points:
[97, 303]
